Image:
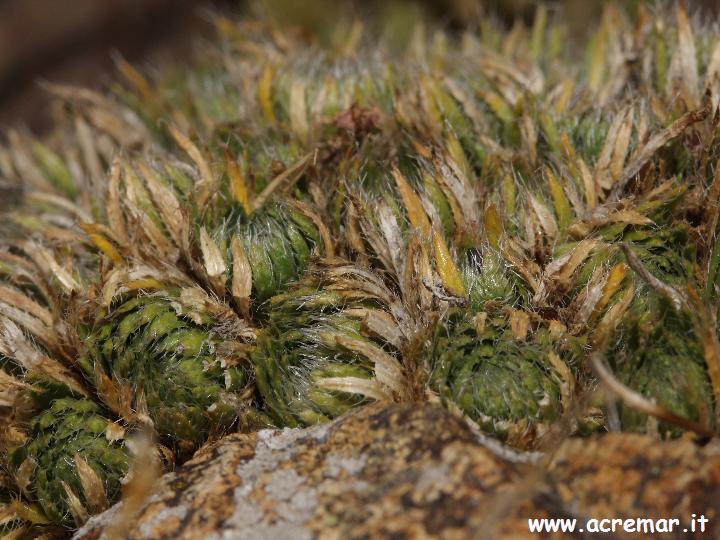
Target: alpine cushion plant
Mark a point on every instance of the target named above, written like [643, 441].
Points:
[290, 228]
[176, 355]
[514, 386]
[70, 467]
[60, 462]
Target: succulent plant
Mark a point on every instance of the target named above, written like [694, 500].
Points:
[69, 465]
[291, 228]
[173, 355]
[53, 432]
[661, 357]
[276, 243]
[323, 351]
[514, 385]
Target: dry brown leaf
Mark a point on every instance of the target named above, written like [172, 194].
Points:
[567, 388]
[11, 388]
[622, 145]
[168, 206]
[519, 324]
[92, 486]
[705, 321]
[45, 260]
[480, 320]
[298, 109]
[114, 432]
[353, 234]
[602, 165]
[654, 144]
[388, 370]
[379, 323]
[241, 277]
[78, 511]
[96, 172]
[390, 230]
[355, 385]
[529, 135]
[413, 205]
[450, 178]
[113, 208]
[712, 77]
[545, 217]
[588, 300]
[20, 301]
[683, 71]
[285, 180]
[206, 186]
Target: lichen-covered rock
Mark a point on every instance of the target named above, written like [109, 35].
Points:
[623, 476]
[389, 472]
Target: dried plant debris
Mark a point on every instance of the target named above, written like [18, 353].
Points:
[295, 226]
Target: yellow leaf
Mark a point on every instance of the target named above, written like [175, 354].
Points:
[596, 54]
[509, 192]
[456, 152]
[237, 183]
[103, 244]
[144, 283]
[28, 512]
[493, 226]
[560, 201]
[429, 104]
[498, 106]
[136, 79]
[416, 213]
[611, 319]
[449, 274]
[538, 32]
[264, 94]
[615, 279]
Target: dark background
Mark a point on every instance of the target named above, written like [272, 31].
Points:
[71, 41]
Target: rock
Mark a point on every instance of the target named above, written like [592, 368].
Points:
[412, 471]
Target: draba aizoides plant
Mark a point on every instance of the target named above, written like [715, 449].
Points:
[290, 227]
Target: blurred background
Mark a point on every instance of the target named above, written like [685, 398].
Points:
[72, 41]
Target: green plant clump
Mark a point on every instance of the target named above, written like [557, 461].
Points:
[311, 217]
